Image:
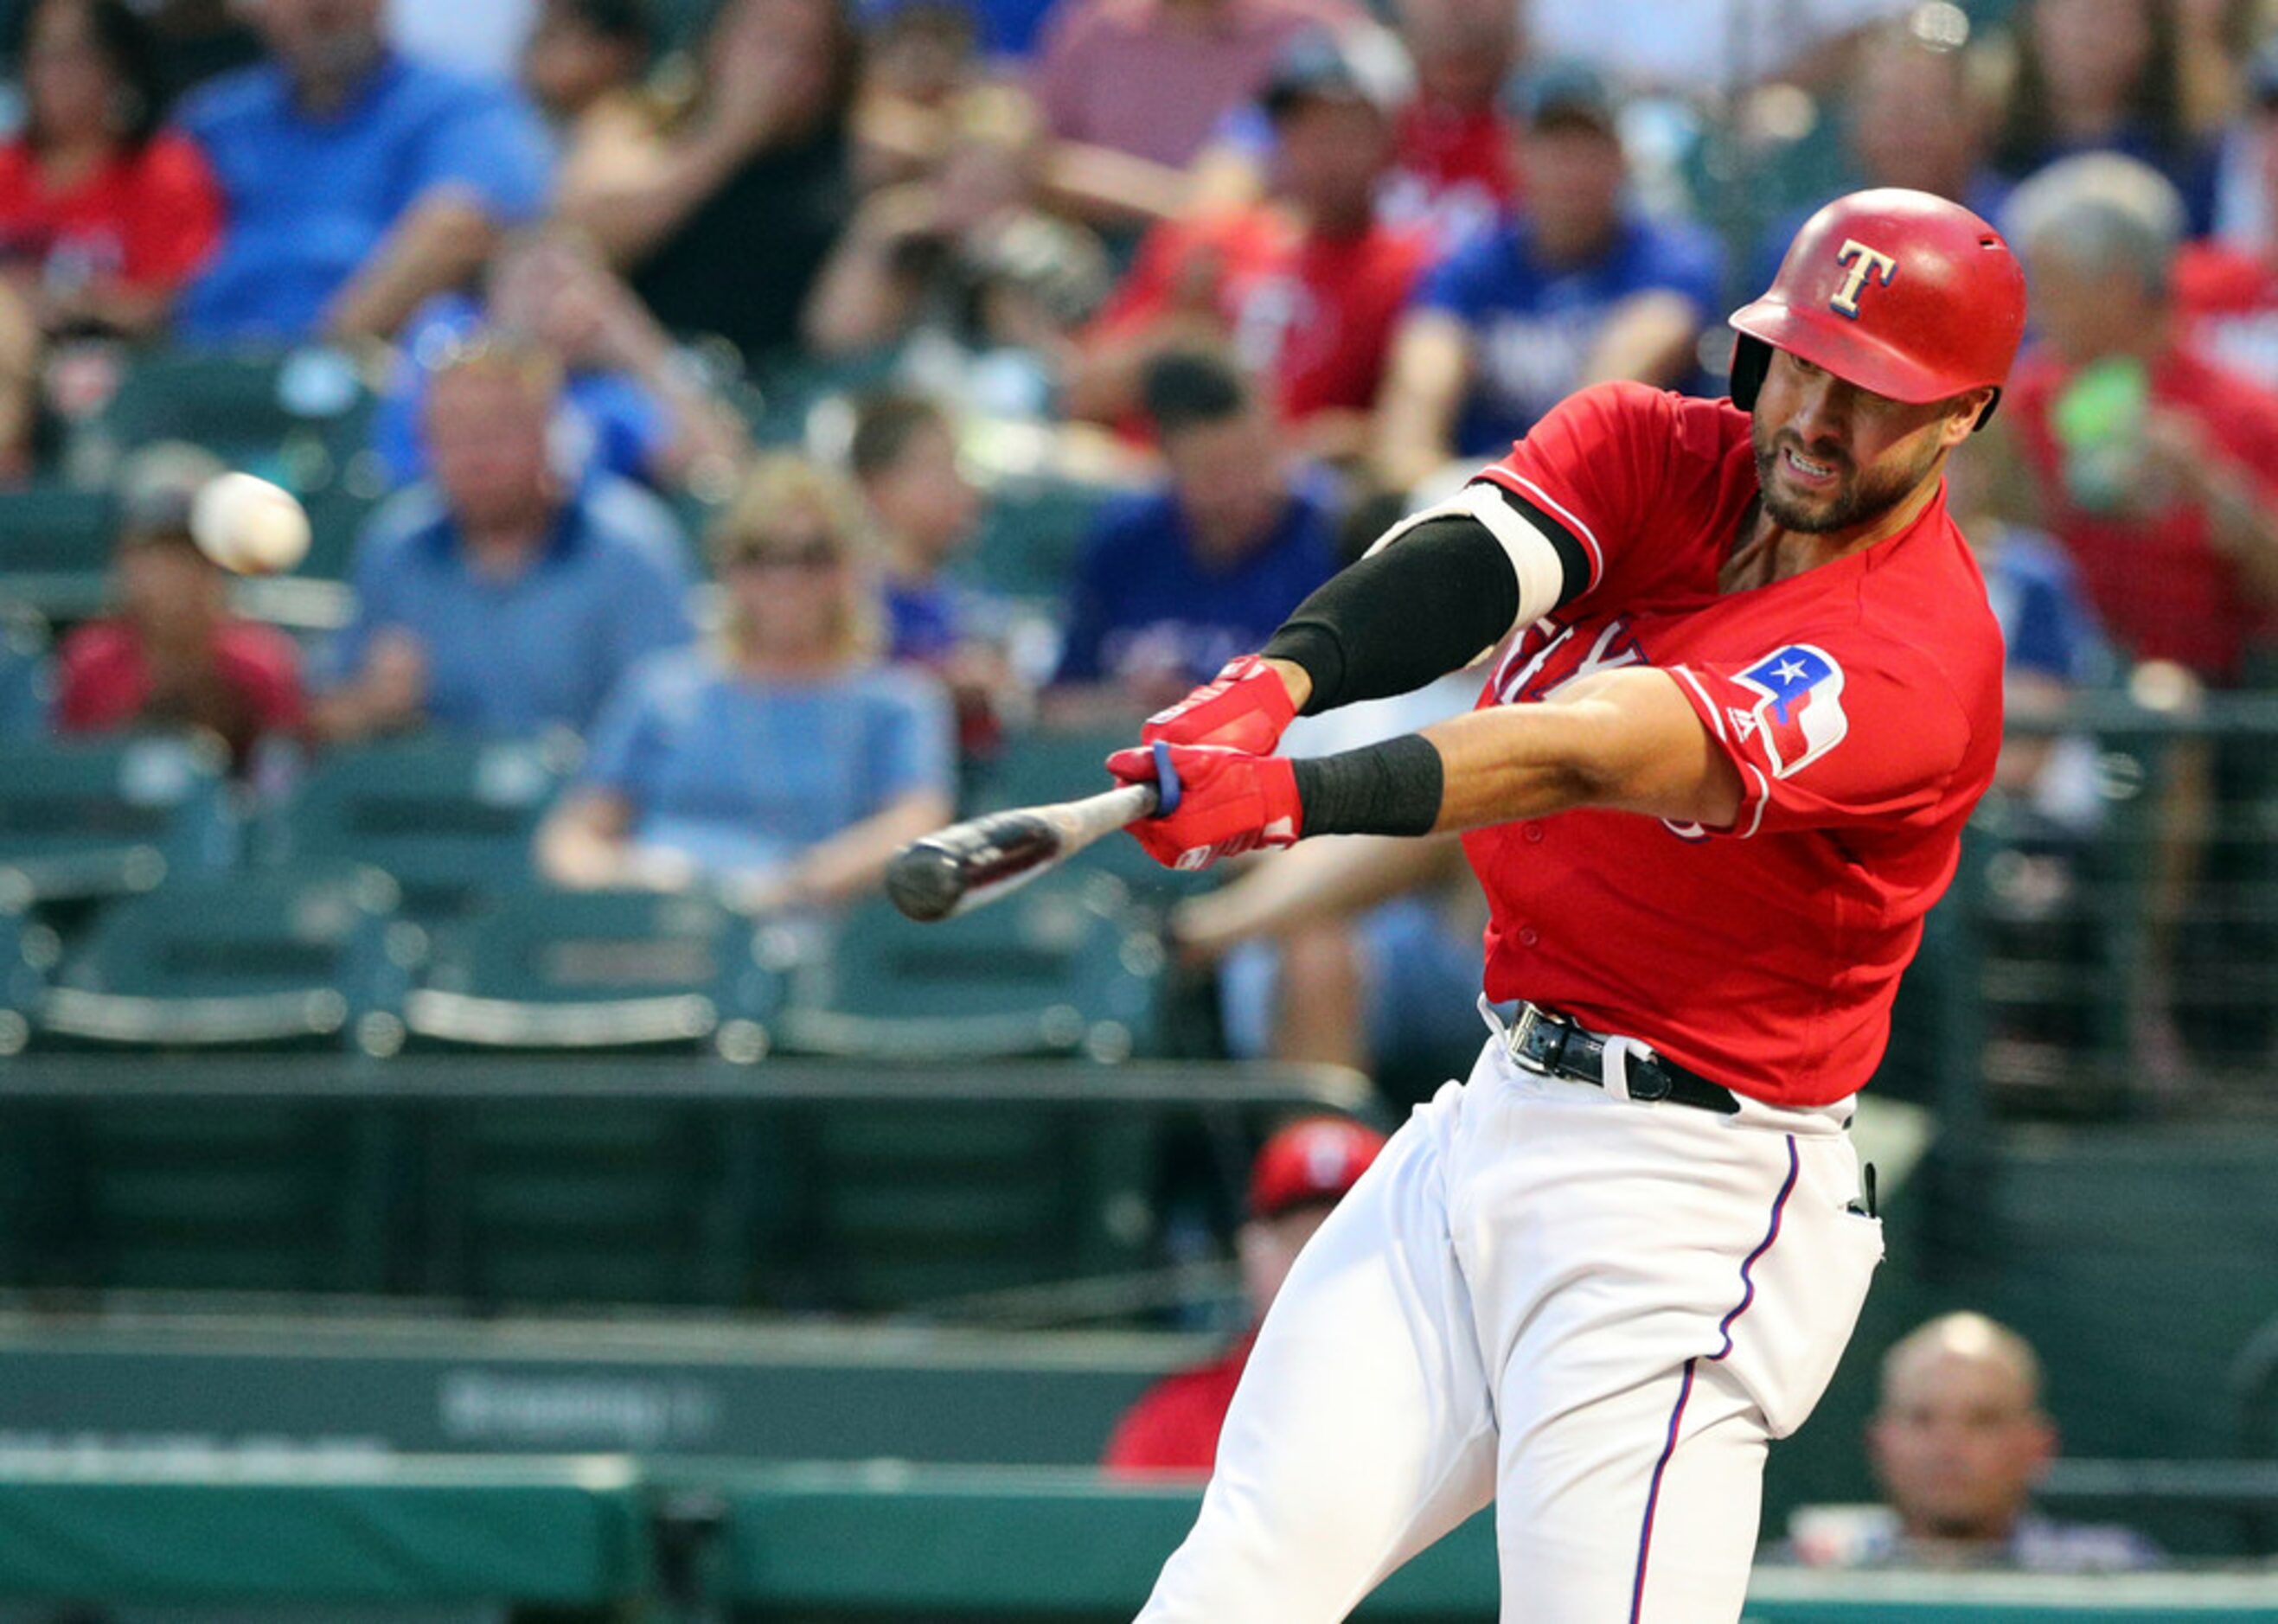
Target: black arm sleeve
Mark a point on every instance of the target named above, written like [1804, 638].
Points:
[1392, 787]
[1414, 612]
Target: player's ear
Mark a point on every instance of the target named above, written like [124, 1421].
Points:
[1970, 412]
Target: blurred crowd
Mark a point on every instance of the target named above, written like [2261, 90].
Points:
[1261, 274]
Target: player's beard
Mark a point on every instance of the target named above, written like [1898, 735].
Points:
[1862, 494]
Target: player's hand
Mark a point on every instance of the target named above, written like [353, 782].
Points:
[1244, 707]
[1217, 802]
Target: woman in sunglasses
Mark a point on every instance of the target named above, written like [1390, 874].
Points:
[783, 765]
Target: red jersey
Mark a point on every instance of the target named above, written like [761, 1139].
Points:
[2159, 585]
[147, 218]
[1451, 171]
[1175, 1424]
[1312, 313]
[102, 683]
[1860, 703]
[2227, 309]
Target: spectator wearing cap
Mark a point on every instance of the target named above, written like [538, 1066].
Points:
[1305, 289]
[1297, 1181]
[1451, 171]
[1958, 1444]
[356, 181]
[1173, 582]
[1576, 288]
[504, 597]
[1152, 79]
[171, 656]
[2227, 291]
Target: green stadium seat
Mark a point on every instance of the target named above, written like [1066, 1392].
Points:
[111, 816]
[1030, 535]
[305, 956]
[905, 1209]
[611, 1202]
[596, 971]
[55, 550]
[266, 1196]
[300, 413]
[24, 674]
[1058, 968]
[452, 819]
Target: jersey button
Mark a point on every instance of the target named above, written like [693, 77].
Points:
[1533, 831]
[1526, 936]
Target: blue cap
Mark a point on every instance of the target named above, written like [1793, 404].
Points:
[1568, 91]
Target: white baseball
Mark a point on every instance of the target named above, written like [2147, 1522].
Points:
[247, 525]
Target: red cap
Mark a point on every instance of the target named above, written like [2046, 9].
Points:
[1316, 1160]
[1902, 292]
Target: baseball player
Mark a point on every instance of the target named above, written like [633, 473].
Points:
[1746, 690]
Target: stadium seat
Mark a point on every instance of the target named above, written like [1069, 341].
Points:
[452, 819]
[24, 674]
[55, 549]
[611, 1202]
[299, 956]
[595, 971]
[300, 412]
[1058, 968]
[111, 816]
[1030, 535]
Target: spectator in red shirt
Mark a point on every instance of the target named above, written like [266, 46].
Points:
[2156, 470]
[103, 215]
[1300, 1174]
[173, 656]
[1307, 290]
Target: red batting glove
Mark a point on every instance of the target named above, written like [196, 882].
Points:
[1216, 802]
[1244, 708]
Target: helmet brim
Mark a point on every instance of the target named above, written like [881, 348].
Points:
[1834, 344]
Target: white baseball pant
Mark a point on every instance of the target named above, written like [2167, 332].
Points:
[1595, 1310]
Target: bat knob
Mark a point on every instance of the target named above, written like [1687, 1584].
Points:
[924, 881]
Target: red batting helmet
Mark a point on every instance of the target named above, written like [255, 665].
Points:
[1902, 292]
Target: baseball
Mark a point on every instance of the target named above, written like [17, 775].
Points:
[247, 525]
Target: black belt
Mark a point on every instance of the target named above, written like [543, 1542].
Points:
[1547, 1041]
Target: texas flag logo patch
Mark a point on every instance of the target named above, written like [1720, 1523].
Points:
[1800, 716]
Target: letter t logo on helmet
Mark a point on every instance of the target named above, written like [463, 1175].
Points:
[1864, 261]
[1950, 325]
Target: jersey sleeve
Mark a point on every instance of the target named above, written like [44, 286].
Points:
[1595, 468]
[1823, 737]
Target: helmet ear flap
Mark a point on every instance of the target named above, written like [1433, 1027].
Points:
[1752, 358]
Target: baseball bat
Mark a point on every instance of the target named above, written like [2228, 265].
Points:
[977, 861]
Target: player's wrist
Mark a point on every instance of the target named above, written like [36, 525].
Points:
[1393, 788]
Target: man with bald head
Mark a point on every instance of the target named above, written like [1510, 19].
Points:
[1958, 1444]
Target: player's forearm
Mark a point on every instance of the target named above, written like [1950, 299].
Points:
[1627, 741]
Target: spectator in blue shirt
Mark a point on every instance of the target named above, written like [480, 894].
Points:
[357, 182]
[1175, 582]
[1576, 288]
[784, 766]
[504, 597]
